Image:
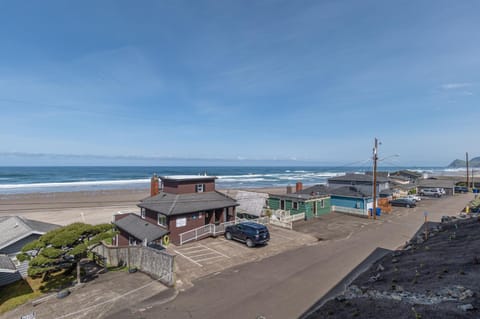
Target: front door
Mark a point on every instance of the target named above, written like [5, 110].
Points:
[282, 204]
[315, 208]
[208, 217]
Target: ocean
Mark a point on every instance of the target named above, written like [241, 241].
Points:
[15, 180]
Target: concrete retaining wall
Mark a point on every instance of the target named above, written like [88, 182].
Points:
[154, 262]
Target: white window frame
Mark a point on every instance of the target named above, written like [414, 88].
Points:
[15, 261]
[322, 203]
[200, 188]
[163, 217]
[132, 241]
[142, 212]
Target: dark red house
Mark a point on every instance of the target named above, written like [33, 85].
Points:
[177, 205]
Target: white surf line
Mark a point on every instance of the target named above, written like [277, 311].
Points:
[215, 251]
[188, 258]
[106, 301]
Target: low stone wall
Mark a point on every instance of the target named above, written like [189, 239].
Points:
[154, 262]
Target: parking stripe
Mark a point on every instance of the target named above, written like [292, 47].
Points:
[189, 248]
[200, 255]
[193, 261]
[209, 258]
[215, 251]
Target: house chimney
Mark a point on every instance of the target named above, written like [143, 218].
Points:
[289, 189]
[298, 187]
[154, 185]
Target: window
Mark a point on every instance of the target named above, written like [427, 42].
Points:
[132, 241]
[162, 220]
[200, 188]
[142, 212]
[295, 205]
[15, 261]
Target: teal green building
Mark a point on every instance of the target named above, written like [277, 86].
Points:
[313, 205]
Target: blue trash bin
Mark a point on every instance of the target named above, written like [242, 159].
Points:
[370, 210]
[379, 211]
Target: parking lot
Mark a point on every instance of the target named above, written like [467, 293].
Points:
[211, 255]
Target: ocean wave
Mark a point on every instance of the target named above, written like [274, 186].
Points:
[239, 180]
[461, 169]
[73, 184]
[222, 177]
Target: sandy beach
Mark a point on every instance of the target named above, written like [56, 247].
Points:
[92, 207]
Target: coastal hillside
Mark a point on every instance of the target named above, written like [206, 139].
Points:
[438, 277]
[458, 163]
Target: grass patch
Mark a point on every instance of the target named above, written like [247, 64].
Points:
[22, 291]
[18, 293]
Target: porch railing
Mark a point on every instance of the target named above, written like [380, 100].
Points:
[214, 230]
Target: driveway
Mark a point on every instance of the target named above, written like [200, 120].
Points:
[211, 255]
[106, 294]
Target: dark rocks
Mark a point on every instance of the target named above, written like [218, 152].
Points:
[466, 307]
[375, 278]
[396, 253]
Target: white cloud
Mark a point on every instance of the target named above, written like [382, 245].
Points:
[454, 86]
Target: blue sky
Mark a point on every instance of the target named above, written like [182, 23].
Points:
[302, 81]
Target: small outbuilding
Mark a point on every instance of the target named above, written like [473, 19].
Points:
[351, 200]
[447, 184]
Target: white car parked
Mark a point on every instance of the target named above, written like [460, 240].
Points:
[414, 197]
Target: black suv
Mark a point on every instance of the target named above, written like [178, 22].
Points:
[461, 189]
[250, 233]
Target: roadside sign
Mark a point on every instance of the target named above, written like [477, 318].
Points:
[425, 214]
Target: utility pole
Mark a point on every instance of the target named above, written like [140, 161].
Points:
[473, 183]
[375, 158]
[466, 160]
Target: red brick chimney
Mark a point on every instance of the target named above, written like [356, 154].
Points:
[154, 185]
[298, 187]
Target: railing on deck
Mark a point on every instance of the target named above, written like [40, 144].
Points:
[214, 230]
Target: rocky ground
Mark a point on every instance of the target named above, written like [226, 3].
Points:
[434, 277]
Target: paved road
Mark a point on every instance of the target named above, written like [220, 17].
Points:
[285, 285]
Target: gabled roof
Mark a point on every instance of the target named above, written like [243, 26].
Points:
[190, 178]
[441, 183]
[6, 264]
[15, 228]
[349, 191]
[176, 204]
[357, 178]
[140, 228]
[408, 173]
[318, 189]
